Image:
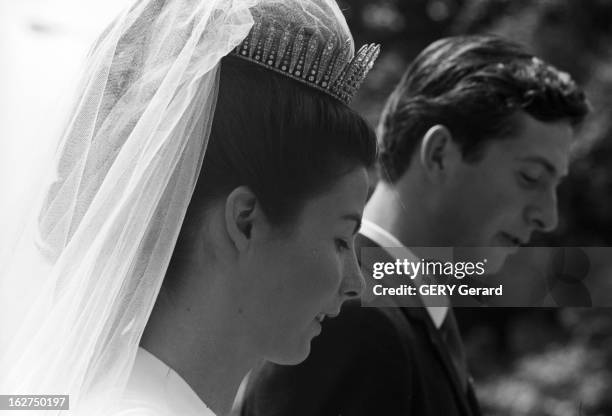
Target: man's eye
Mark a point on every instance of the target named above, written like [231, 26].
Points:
[341, 244]
[529, 180]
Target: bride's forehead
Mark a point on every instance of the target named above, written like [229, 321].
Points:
[345, 197]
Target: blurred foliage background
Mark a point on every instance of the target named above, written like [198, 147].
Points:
[525, 361]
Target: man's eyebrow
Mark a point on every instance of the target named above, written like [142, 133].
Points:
[353, 217]
[543, 161]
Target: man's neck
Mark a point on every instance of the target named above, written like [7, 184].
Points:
[407, 218]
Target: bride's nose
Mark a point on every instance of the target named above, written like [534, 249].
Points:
[353, 282]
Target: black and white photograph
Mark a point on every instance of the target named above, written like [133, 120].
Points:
[306, 207]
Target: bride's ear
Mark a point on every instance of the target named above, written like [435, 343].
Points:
[241, 212]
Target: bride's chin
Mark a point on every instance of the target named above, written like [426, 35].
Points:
[295, 354]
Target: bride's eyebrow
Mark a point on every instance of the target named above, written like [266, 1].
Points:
[353, 217]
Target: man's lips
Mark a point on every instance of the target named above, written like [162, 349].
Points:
[511, 240]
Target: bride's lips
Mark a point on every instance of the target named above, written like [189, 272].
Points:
[321, 317]
[324, 315]
[318, 327]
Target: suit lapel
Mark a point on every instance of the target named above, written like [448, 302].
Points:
[443, 354]
[417, 312]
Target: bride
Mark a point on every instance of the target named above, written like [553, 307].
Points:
[201, 210]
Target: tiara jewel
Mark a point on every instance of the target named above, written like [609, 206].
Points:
[326, 66]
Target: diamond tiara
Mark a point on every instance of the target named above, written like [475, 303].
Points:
[324, 66]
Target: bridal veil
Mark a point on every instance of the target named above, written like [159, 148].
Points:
[94, 253]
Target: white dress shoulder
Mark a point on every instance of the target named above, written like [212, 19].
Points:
[154, 389]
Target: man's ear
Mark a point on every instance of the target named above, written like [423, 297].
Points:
[241, 210]
[437, 152]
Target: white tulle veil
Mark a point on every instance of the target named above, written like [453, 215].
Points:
[95, 250]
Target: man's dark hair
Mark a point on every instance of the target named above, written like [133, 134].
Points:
[474, 86]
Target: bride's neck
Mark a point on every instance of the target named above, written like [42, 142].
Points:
[199, 342]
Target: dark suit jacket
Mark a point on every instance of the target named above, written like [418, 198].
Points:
[367, 361]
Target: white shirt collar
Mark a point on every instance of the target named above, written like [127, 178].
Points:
[385, 239]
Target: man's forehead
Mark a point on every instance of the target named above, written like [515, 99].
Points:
[548, 144]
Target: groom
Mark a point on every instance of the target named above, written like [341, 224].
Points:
[474, 141]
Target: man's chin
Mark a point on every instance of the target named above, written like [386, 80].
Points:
[494, 257]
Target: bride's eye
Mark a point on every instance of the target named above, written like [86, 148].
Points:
[341, 244]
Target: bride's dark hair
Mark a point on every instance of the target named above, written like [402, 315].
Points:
[284, 140]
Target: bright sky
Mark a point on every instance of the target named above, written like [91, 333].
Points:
[42, 45]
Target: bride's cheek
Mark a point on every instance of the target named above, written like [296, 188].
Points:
[328, 276]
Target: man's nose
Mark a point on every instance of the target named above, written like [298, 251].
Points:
[543, 213]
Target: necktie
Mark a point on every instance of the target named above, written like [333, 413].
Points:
[450, 333]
